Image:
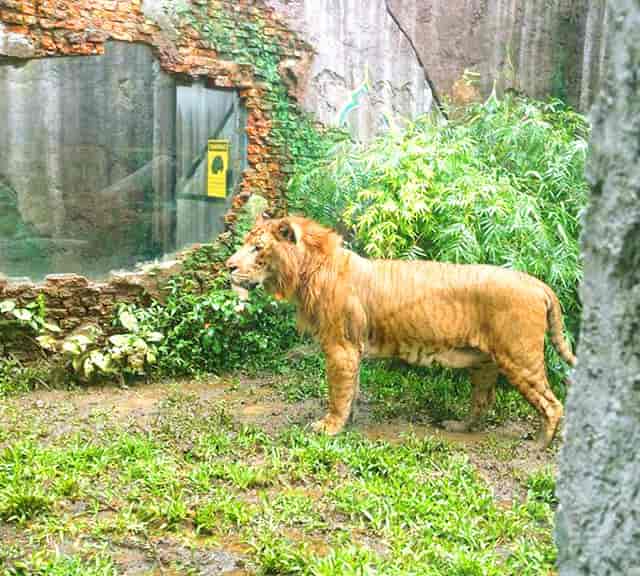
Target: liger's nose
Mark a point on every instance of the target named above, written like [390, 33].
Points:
[231, 266]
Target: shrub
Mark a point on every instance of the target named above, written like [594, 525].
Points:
[207, 332]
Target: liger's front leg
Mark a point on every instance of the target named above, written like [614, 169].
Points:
[343, 364]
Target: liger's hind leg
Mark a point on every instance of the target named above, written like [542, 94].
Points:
[534, 386]
[483, 397]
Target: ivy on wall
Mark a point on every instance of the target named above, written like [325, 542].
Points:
[244, 38]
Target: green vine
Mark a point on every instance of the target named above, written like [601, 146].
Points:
[245, 39]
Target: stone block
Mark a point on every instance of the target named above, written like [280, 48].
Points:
[66, 281]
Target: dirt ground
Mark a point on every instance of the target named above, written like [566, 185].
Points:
[504, 455]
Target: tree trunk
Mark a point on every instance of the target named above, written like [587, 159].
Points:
[598, 520]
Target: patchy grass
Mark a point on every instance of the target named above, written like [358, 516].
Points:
[203, 477]
[396, 389]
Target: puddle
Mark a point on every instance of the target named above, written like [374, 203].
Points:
[396, 432]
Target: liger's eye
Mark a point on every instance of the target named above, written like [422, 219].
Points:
[257, 248]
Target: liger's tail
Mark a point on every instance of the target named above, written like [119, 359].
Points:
[554, 319]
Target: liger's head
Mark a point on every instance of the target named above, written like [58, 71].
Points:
[276, 253]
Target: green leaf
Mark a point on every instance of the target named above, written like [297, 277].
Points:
[48, 342]
[51, 327]
[22, 314]
[120, 340]
[71, 347]
[100, 360]
[129, 321]
[7, 306]
[88, 367]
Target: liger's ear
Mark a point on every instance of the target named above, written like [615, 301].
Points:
[289, 231]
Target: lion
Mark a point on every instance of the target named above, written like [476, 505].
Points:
[487, 319]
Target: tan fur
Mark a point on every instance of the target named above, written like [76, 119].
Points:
[484, 318]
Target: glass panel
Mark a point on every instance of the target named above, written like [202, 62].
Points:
[92, 155]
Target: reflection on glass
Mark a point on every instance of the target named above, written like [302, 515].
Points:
[101, 162]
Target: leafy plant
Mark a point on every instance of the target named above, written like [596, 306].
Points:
[33, 316]
[541, 486]
[17, 378]
[23, 322]
[128, 353]
[207, 332]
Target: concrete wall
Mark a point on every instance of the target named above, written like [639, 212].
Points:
[352, 39]
[538, 47]
[74, 129]
[88, 162]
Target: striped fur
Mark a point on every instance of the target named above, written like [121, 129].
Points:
[484, 318]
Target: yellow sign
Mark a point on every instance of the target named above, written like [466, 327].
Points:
[217, 168]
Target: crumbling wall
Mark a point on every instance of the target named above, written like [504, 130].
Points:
[42, 28]
[49, 28]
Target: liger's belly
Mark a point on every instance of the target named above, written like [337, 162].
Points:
[424, 355]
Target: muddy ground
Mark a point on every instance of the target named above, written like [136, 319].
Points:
[504, 455]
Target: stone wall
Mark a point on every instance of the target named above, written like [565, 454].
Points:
[73, 301]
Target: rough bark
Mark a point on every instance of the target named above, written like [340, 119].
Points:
[598, 520]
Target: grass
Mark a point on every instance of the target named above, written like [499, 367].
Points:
[85, 493]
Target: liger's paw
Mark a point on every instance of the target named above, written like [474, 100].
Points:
[328, 425]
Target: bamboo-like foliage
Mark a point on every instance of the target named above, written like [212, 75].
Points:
[504, 184]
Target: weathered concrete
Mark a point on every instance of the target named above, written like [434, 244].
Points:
[534, 46]
[352, 39]
[598, 521]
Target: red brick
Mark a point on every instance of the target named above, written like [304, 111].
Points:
[47, 43]
[17, 29]
[47, 23]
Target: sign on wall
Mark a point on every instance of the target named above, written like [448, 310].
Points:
[217, 168]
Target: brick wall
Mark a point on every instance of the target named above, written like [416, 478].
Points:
[40, 28]
[49, 28]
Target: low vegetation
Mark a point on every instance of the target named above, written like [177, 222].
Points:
[84, 492]
[186, 487]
